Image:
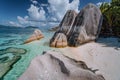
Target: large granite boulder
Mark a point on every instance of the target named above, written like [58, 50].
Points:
[86, 26]
[60, 37]
[37, 35]
[55, 66]
[59, 40]
[67, 22]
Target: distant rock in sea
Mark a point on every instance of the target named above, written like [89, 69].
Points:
[82, 27]
[37, 35]
[9, 26]
[55, 66]
[56, 28]
[31, 27]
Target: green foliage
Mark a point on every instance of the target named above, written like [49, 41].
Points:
[111, 16]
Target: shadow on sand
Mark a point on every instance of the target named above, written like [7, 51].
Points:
[110, 42]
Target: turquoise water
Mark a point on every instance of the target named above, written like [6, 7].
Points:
[15, 38]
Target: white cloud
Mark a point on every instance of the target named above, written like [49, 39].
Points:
[26, 22]
[36, 13]
[52, 24]
[14, 24]
[58, 8]
[34, 1]
[56, 11]
[74, 5]
[22, 21]
[99, 4]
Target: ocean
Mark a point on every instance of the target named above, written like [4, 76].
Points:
[14, 37]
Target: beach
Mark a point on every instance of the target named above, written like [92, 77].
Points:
[60, 40]
[103, 55]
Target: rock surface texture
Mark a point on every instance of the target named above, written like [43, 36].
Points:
[60, 37]
[82, 28]
[59, 40]
[55, 66]
[86, 26]
[37, 35]
[67, 22]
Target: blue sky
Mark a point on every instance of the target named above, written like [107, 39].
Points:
[16, 12]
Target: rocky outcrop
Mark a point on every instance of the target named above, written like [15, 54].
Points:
[67, 22]
[86, 26]
[55, 66]
[82, 28]
[6, 61]
[59, 40]
[60, 37]
[37, 35]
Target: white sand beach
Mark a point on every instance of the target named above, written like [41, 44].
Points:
[103, 55]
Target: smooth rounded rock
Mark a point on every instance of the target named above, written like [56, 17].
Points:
[86, 26]
[59, 40]
[37, 35]
[55, 66]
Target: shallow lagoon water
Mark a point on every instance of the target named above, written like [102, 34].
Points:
[15, 38]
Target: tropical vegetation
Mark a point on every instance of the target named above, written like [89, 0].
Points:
[111, 18]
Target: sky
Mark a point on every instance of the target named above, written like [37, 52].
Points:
[38, 12]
